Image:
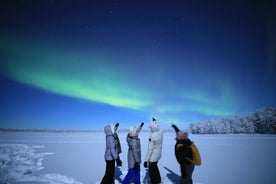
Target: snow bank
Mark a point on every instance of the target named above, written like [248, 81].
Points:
[20, 162]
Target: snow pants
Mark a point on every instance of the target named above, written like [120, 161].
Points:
[154, 173]
[186, 173]
[109, 172]
[132, 173]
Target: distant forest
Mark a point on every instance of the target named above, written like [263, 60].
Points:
[262, 121]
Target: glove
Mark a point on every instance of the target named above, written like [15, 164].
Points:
[145, 164]
[116, 126]
[175, 128]
[142, 124]
[119, 162]
[136, 166]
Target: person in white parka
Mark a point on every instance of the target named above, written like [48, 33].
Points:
[154, 152]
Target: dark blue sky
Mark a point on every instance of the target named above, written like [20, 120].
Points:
[83, 64]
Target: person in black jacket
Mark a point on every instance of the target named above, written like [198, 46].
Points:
[182, 152]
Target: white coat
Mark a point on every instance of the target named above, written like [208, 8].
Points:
[154, 151]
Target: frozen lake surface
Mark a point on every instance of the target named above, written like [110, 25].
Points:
[77, 158]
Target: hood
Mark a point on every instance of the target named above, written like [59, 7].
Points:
[109, 129]
[133, 131]
[181, 135]
[154, 127]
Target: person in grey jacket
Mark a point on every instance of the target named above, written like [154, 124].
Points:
[111, 154]
[134, 155]
[154, 152]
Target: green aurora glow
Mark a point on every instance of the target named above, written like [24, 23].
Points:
[98, 79]
[66, 76]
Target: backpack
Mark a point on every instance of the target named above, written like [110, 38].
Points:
[196, 155]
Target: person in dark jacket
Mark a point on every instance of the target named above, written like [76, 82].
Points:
[111, 155]
[134, 155]
[182, 152]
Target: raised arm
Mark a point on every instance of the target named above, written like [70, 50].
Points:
[140, 127]
[176, 129]
[116, 126]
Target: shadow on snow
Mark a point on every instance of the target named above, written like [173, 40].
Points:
[172, 176]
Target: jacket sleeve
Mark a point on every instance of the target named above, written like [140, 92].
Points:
[176, 129]
[150, 149]
[112, 147]
[138, 129]
[119, 142]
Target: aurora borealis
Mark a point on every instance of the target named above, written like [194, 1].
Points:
[82, 64]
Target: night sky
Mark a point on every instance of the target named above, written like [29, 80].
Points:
[68, 64]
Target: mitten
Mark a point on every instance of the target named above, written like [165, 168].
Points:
[142, 124]
[145, 164]
[116, 125]
[119, 162]
[136, 166]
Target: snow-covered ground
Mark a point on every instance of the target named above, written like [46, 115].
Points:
[74, 158]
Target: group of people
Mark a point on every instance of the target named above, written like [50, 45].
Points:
[183, 154]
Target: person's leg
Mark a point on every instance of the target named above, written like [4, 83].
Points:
[128, 177]
[109, 172]
[183, 174]
[189, 171]
[154, 173]
[186, 173]
[137, 176]
[104, 180]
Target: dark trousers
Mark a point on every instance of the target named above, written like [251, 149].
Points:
[154, 173]
[186, 173]
[109, 172]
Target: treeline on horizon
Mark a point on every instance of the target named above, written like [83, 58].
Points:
[262, 121]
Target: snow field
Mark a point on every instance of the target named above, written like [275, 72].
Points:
[74, 158]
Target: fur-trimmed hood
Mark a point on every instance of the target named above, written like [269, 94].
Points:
[109, 129]
[154, 126]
